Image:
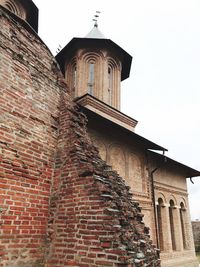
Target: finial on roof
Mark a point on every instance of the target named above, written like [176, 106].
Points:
[95, 32]
[96, 16]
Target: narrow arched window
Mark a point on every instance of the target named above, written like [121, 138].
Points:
[71, 76]
[171, 220]
[182, 219]
[91, 78]
[160, 223]
[113, 83]
[110, 84]
[74, 73]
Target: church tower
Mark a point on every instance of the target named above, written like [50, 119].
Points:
[60, 203]
[94, 67]
[24, 9]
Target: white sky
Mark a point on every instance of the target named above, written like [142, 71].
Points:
[163, 91]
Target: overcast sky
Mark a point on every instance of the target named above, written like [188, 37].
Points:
[163, 91]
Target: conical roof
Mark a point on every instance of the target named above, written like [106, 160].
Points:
[95, 33]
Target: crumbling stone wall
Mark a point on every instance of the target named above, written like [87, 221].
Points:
[196, 234]
[94, 220]
[60, 204]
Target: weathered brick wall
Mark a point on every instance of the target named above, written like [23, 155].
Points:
[60, 204]
[29, 99]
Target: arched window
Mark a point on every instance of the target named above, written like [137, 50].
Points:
[91, 68]
[71, 75]
[74, 71]
[182, 219]
[171, 220]
[160, 223]
[110, 84]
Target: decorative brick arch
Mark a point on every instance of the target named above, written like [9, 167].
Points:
[172, 197]
[182, 200]
[90, 64]
[86, 54]
[114, 63]
[15, 7]
[71, 75]
[162, 196]
[113, 82]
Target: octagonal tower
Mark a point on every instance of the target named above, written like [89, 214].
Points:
[96, 66]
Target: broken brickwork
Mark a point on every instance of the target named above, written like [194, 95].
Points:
[94, 220]
[60, 204]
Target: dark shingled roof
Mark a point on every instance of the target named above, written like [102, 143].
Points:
[32, 13]
[94, 118]
[188, 171]
[95, 40]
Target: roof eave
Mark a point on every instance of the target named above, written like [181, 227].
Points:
[147, 144]
[33, 13]
[189, 172]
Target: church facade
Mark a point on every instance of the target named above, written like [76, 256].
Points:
[61, 203]
[94, 67]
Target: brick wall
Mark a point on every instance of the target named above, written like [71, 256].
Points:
[60, 204]
[29, 102]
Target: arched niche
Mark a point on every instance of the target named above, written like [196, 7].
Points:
[160, 222]
[101, 147]
[117, 159]
[112, 88]
[183, 221]
[89, 73]
[172, 223]
[71, 75]
[161, 196]
[182, 202]
[135, 173]
[173, 199]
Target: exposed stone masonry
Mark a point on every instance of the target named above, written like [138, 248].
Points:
[60, 204]
[196, 234]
